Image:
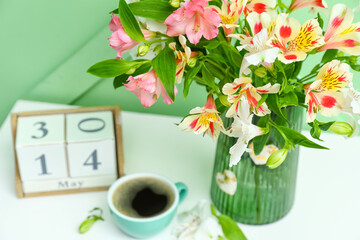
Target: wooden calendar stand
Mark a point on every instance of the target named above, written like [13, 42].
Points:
[69, 184]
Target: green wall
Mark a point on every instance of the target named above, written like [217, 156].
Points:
[46, 47]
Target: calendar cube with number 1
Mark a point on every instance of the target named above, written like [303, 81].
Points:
[41, 147]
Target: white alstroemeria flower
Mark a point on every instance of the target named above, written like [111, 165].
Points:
[227, 181]
[243, 129]
[259, 53]
[352, 99]
[263, 156]
[209, 230]
[197, 224]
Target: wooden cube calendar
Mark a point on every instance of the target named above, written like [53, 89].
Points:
[67, 151]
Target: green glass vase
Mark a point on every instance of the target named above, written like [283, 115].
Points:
[263, 195]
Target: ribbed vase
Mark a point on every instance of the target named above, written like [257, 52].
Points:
[263, 195]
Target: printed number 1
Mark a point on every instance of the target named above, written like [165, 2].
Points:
[92, 160]
[43, 165]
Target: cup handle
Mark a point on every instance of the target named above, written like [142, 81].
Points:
[183, 191]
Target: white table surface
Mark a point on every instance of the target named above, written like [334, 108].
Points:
[326, 205]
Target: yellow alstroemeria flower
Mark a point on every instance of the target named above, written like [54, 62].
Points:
[205, 120]
[182, 58]
[341, 33]
[324, 95]
[229, 13]
[242, 87]
[295, 41]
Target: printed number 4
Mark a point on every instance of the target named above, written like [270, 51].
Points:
[92, 160]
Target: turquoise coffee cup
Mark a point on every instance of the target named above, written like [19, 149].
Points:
[147, 226]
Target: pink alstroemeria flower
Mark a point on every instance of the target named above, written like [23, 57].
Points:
[119, 40]
[295, 41]
[148, 88]
[341, 33]
[230, 13]
[194, 20]
[242, 88]
[324, 95]
[204, 120]
[297, 4]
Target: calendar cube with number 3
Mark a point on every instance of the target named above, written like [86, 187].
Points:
[41, 147]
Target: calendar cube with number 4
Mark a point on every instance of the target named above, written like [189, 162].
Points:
[91, 147]
[68, 150]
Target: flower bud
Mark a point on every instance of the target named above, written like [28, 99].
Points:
[342, 128]
[223, 100]
[143, 50]
[260, 72]
[277, 158]
[175, 3]
[192, 62]
[131, 71]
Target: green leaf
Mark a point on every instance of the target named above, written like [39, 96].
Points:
[129, 22]
[320, 20]
[212, 44]
[284, 80]
[113, 67]
[90, 220]
[288, 99]
[325, 126]
[189, 77]
[260, 141]
[86, 225]
[230, 229]
[262, 100]
[213, 210]
[215, 70]
[329, 55]
[153, 9]
[120, 80]
[165, 67]
[315, 131]
[297, 70]
[273, 103]
[207, 78]
[297, 138]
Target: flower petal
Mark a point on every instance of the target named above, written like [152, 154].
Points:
[227, 181]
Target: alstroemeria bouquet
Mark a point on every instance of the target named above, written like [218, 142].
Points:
[248, 55]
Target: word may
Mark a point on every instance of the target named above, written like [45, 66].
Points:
[70, 184]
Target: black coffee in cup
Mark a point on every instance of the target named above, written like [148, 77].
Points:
[143, 197]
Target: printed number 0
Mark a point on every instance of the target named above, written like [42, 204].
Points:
[44, 130]
[91, 130]
[92, 160]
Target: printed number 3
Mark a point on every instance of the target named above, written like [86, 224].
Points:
[41, 128]
[92, 160]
